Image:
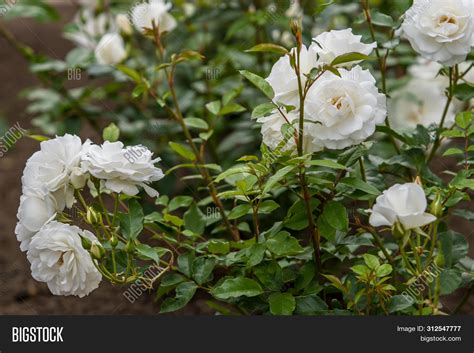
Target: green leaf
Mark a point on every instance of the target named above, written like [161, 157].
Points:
[450, 280]
[134, 75]
[400, 303]
[263, 110]
[463, 120]
[268, 47]
[282, 303]
[310, 305]
[185, 264]
[195, 220]
[217, 246]
[361, 270]
[232, 108]
[179, 201]
[283, 243]
[336, 282]
[148, 252]
[237, 287]
[131, 223]
[335, 215]
[255, 254]
[267, 207]
[349, 57]
[453, 133]
[259, 82]
[270, 275]
[38, 10]
[39, 138]
[382, 20]
[327, 163]
[277, 177]
[239, 211]
[360, 185]
[175, 220]
[111, 133]
[202, 269]
[384, 270]
[454, 247]
[196, 123]
[305, 276]
[371, 261]
[214, 107]
[452, 152]
[464, 92]
[184, 293]
[182, 151]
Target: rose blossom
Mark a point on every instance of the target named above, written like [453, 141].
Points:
[329, 45]
[110, 50]
[153, 11]
[283, 78]
[34, 212]
[48, 171]
[441, 30]
[404, 203]
[345, 110]
[420, 102]
[90, 28]
[58, 258]
[272, 135]
[123, 169]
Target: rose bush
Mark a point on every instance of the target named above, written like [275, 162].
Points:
[304, 150]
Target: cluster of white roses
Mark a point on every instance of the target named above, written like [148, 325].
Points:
[99, 33]
[340, 111]
[50, 179]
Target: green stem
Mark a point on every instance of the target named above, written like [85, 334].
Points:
[199, 159]
[382, 63]
[437, 143]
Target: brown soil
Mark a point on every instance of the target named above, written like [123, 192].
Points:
[19, 293]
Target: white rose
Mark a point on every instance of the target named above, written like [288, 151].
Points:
[153, 11]
[419, 102]
[34, 212]
[345, 110]
[48, 171]
[405, 204]
[58, 258]
[441, 30]
[272, 135]
[89, 28]
[123, 169]
[427, 70]
[329, 45]
[110, 50]
[283, 78]
[123, 23]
